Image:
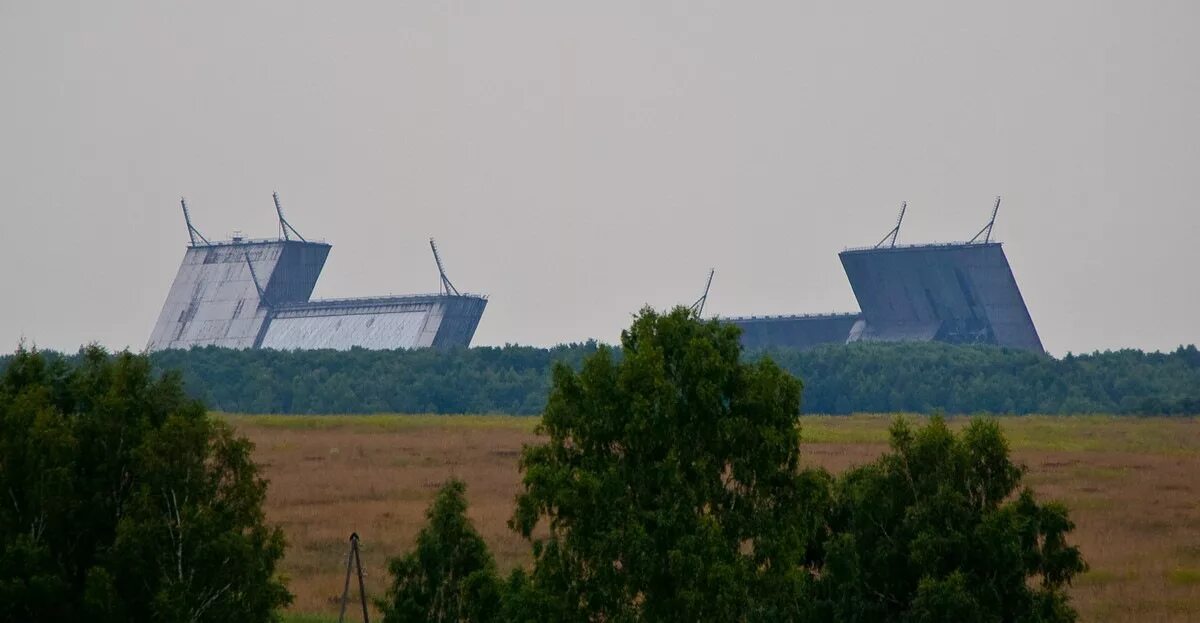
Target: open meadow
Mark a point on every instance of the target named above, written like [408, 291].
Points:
[1131, 485]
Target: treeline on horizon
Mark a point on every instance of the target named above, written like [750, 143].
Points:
[838, 379]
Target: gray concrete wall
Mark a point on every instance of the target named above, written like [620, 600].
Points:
[801, 332]
[380, 323]
[955, 293]
[214, 302]
[460, 317]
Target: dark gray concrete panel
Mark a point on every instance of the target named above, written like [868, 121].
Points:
[460, 317]
[958, 293]
[801, 332]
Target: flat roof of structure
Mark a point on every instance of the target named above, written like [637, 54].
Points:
[921, 247]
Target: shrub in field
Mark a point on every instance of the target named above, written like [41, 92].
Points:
[124, 501]
[935, 530]
[451, 575]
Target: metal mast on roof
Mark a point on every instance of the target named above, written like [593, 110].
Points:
[447, 287]
[698, 306]
[193, 233]
[284, 226]
[895, 230]
[988, 228]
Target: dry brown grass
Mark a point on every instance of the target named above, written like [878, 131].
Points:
[1131, 485]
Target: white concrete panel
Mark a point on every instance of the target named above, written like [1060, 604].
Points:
[377, 331]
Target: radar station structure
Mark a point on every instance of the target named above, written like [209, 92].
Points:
[959, 292]
[257, 293]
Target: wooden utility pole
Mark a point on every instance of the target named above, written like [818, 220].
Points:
[354, 560]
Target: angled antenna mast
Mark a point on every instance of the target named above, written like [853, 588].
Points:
[447, 287]
[285, 227]
[895, 230]
[987, 228]
[193, 233]
[698, 306]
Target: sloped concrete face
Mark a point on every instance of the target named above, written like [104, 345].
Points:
[802, 332]
[459, 317]
[957, 293]
[383, 323]
[214, 300]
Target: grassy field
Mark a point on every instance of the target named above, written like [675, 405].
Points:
[1131, 483]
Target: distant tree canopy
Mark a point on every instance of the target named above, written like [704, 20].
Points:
[669, 487]
[839, 379]
[124, 501]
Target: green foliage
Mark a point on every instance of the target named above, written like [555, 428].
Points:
[839, 379]
[123, 501]
[670, 483]
[936, 530]
[923, 377]
[512, 379]
[451, 575]
[669, 488]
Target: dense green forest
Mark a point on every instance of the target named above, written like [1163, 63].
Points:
[874, 377]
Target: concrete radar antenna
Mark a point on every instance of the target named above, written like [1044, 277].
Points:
[285, 228]
[698, 306]
[448, 288]
[193, 233]
[891, 235]
[987, 228]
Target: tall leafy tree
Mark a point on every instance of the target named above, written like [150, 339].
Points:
[669, 489]
[451, 575]
[938, 529]
[670, 484]
[124, 501]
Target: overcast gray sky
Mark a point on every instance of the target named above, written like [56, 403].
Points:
[578, 160]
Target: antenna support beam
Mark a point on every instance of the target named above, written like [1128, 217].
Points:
[698, 306]
[448, 288]
[285, 228]
[193, 233]
[890, 238]
[262, 294]
[986, 232]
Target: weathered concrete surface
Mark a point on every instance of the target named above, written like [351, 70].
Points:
[418, 321]
[215, 301]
